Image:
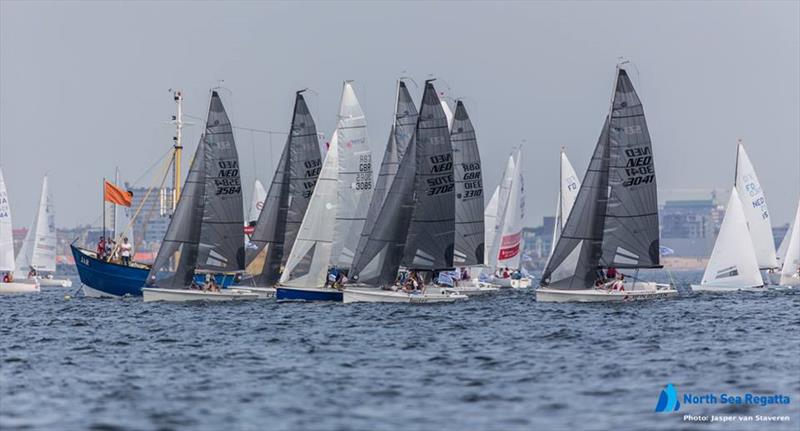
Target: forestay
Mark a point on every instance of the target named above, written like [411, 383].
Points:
[287, 198]
[755, 210]
[614, 221]
[733, 262]
[354, 178]
[469, 227]
[431, 232]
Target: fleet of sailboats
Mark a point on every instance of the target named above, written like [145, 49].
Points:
[329, 230]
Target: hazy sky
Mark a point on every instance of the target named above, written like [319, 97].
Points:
[84, 85]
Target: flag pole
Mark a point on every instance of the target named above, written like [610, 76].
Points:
[104, 211]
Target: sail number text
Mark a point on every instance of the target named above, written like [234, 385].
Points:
[441, 164]
[227, 180]
[473, 186]
[639, 167]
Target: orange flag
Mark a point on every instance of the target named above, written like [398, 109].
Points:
[117, 195]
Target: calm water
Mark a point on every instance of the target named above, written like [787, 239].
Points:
[502, 362]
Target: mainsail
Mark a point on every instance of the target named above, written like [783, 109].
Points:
[287, 198]
[307, 265]
[790, 272]
[256, 202]
[354, 178]
[755, 210]
[380, 247]
[205, 232]
[469, 228]
[431, 233]
[614, 221]
[503, 192]
[733, 261]
[39, 248]
[489, 227]
[6, 234]
[510, 227]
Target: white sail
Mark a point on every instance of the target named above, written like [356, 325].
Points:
[355, 183]
[447, 113]
[790, 273]
[780, 255]
[6, 234]
[490, 223]
[504, 191]
[257, 201]
[39, 248]
[733, 262]
[510, 240]
[307, 265]
[755, 210]
[568, 191]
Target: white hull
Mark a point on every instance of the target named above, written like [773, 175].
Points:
[522, 283]
[641, 291]
[727, 289]
[262, 292]
[370, 294]
[24, 286]
[152, 294]
[55, 282]
[473, 288]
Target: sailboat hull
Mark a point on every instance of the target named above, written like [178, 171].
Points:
[473, 288]
[640, 292]
[727, 289]
[511, 283]
[54, 282]
[262, 292]
[153, 294]
[24, 286]
[284, 293]
[368, 294]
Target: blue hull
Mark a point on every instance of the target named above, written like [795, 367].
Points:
[293, 294]
[120, 280]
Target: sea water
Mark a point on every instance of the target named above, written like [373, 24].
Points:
[499, 362]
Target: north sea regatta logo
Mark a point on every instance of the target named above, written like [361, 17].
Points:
[670, 401]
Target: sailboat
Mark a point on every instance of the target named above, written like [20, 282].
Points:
[336, 213]
[755, 209]
[37, 257]
[469, 246]
[569, 185]
[256, 203]
[506, 249]
[286, 203]
[733, 264]
[790, 272]
[7, 282]
[420, 203]
[205, 232]
[614, 221]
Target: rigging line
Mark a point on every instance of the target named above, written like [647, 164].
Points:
[250, 129]
[135, 182]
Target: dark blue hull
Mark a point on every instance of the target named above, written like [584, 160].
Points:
[119, 280]
[294, 294]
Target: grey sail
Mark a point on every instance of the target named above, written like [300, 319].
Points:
[469, 227]
[614, 221]
[176, 259]
[431, 232]
[287, 198]
[405, 121]
[221, 247]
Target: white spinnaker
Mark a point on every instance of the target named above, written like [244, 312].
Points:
[790, 273]
[307, 265]
[6, 234]
[256, 201]
[39, 248]
[447, 113]
[502, 206]
[510, 243]
[733, 262]
[755, 210]
[489, 224]
[355, 182]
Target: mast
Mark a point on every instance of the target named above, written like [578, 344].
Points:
[177, 146]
